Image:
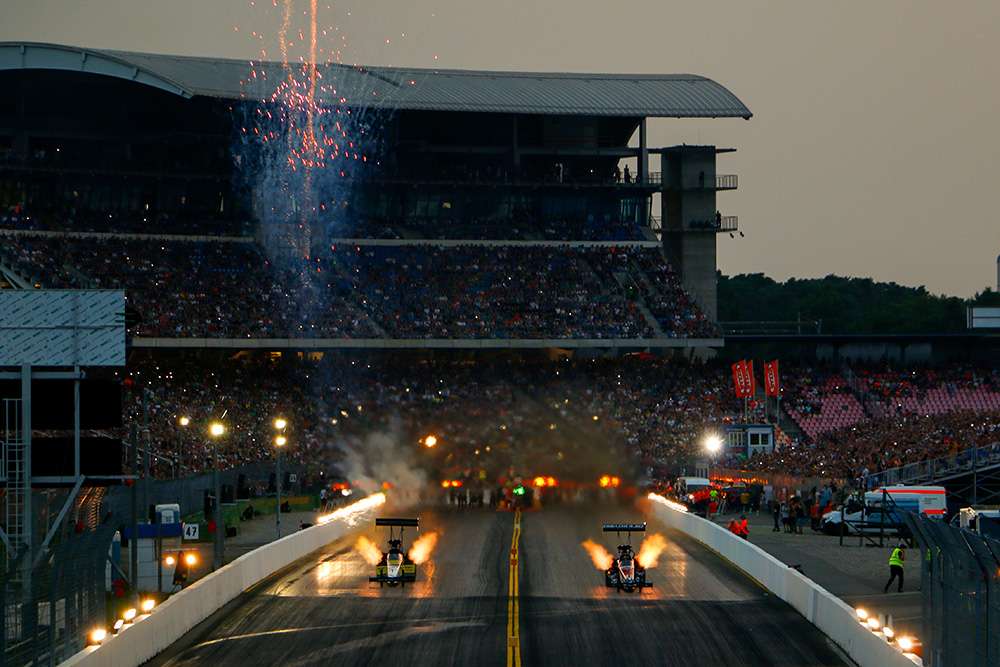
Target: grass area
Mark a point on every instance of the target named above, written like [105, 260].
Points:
[232, 513]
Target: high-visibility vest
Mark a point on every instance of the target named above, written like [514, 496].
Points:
[897, 557]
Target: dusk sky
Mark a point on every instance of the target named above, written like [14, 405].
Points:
[873, 150]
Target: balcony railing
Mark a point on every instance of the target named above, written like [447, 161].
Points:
[720, 224]
[726, 182]
[926, 472]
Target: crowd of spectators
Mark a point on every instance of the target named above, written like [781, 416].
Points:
[224, 289]
[637, 412]
[517, 228]
[597, 415]
[73, 219]
[879, 444]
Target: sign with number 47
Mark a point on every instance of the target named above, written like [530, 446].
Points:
[191, 531]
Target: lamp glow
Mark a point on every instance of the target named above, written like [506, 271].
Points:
[98, 635]
[280, 441]
[147, 605]
[190, 559]
[280, 423]
[217, 429]
[129, 615]
[184, 421]
[713, 444]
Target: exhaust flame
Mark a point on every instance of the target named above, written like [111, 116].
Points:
[649, 552]
[423, 547]
[368, 550]
[599, 555]
[353, 513]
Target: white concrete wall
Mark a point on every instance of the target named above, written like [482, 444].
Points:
[830, 614]
[181, 612]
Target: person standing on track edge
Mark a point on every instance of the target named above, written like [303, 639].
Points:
[896, 560]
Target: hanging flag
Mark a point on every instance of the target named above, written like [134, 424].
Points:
[772, 383]
[742, 379]
[753, 380]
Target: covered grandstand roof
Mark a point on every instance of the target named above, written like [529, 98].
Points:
[630, 95]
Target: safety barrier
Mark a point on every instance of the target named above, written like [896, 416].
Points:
[834, 617]
[150, 634]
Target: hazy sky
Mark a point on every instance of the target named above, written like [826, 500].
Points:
[874, 149]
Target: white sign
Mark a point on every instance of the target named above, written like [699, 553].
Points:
[191, 531]
[984, 318]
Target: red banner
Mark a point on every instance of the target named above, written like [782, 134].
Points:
[772, 383]
[743, 379]
[753, 379]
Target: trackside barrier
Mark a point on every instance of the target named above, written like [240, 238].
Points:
[169, 621]
[834, 617]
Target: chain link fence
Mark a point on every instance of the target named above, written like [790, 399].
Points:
[49, 608]
[960, 583]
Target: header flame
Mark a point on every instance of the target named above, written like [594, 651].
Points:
[368, 550]
[649, 552]
[599, 555]
[423, 547]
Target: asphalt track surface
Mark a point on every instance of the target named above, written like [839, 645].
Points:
[322, 610]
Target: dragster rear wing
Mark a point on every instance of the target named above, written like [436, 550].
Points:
[396, 522]
[625, 527]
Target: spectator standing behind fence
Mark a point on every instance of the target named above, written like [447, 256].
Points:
[896, 560]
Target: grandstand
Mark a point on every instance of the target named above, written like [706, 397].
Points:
[516, 207]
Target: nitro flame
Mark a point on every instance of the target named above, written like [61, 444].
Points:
[423, 547]
[352, 514]
[600, 556]
[649, 552]
[368, 550]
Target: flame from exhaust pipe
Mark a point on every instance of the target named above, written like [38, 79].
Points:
[368, 550]
[649, 553]
[600, 556]
[423, 547]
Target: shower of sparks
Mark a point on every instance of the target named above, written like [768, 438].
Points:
[303, 147]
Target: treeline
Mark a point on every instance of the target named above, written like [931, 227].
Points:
[844, 305]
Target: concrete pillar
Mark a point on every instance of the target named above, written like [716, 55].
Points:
[686, 202]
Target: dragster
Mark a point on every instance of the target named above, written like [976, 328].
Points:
[626, 572]
[395, 568]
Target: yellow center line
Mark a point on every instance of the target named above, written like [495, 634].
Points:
[513, 607]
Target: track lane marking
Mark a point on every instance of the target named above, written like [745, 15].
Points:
[513, 605]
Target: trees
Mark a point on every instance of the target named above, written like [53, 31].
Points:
[844, 305]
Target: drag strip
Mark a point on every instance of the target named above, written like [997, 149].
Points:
[699, 610]
[322, 609]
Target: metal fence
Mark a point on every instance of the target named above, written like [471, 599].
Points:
[48, 609]
[965, 462]
[960, 583]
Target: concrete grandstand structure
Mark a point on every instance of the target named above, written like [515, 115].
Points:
[132, 154]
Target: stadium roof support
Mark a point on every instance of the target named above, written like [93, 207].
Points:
[621, 95]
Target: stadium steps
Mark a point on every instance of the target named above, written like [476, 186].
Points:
[643, 286]
[790, 426]
[10, 280]
[357, 296]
